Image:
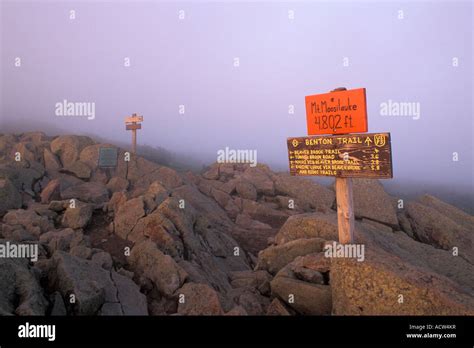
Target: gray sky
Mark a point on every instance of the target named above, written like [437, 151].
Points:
[190, 62]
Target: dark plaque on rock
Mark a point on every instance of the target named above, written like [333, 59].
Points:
[108, 157]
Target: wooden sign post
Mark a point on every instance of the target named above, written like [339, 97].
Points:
[342, 155]
[133, 123]
[344, 197]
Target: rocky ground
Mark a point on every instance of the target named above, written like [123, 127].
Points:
[143, 239]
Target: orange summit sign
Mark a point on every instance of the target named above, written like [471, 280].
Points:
[338, 112]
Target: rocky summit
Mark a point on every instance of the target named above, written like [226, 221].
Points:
[143, 239]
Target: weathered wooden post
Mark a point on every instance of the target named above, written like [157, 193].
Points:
[345, 204]
[133, 123]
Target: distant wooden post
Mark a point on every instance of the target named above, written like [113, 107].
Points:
[133, 123]
[345, 205]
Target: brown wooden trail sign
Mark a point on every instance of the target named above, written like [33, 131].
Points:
[346, 156]
[133, 123]
[343, 156]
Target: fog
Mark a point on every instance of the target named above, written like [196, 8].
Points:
[185, 54]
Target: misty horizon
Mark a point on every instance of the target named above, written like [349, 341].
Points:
[285, 51]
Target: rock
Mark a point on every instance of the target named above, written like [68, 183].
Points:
[246, 190]
[221, 197]
[30, 220]
[23, 175]
[131, 300]
[62, 240]
[116, 201]
[52, 192]
[206, 186]
[78, 169]
[58, 206]
[250, 299]
[149, 262]
[78, 216]
[128, 215]
[117, 184]
[94, 287]
[309, 225]
[226, 171]
[199, 299]
[252, 279]
[20, 292]
[69, 147]
[285, 202]
[103, 259]
[90, 192]
[212, 173]
[303, 297]
[455, 214]
[277, 307]
[161, 231]
[158, 191]
[260, 179]
[246, 221]
[377, 225]
[276, 257]
[372, 202]
[315, 262]
[204, 206]
[58, 308]
[253, 240]
[81, 251]
[264, 213]
[16, 233]
[51, 162]
[309, 275]
[433, 227]
[373, 287]
[10, 198]
[308, 195]
[237, 311]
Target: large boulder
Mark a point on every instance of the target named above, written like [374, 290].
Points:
[264, 212]
[276, 257]
[150, 263]
[442, 226]
[90, 192]
[307, 194]
[20, 290]
[78, 169]
[303, 297]
[127, 216]
[260, 177]
[29, 220]
[308, 225]
[69, 147]
[198, 299]
[77, 216]
[51, 192]
[372, 202]
[10, 198]
[384, 284]
[460, 217]
[95, 289]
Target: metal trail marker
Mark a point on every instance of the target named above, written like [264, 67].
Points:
[342, 155]
[133, 123]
